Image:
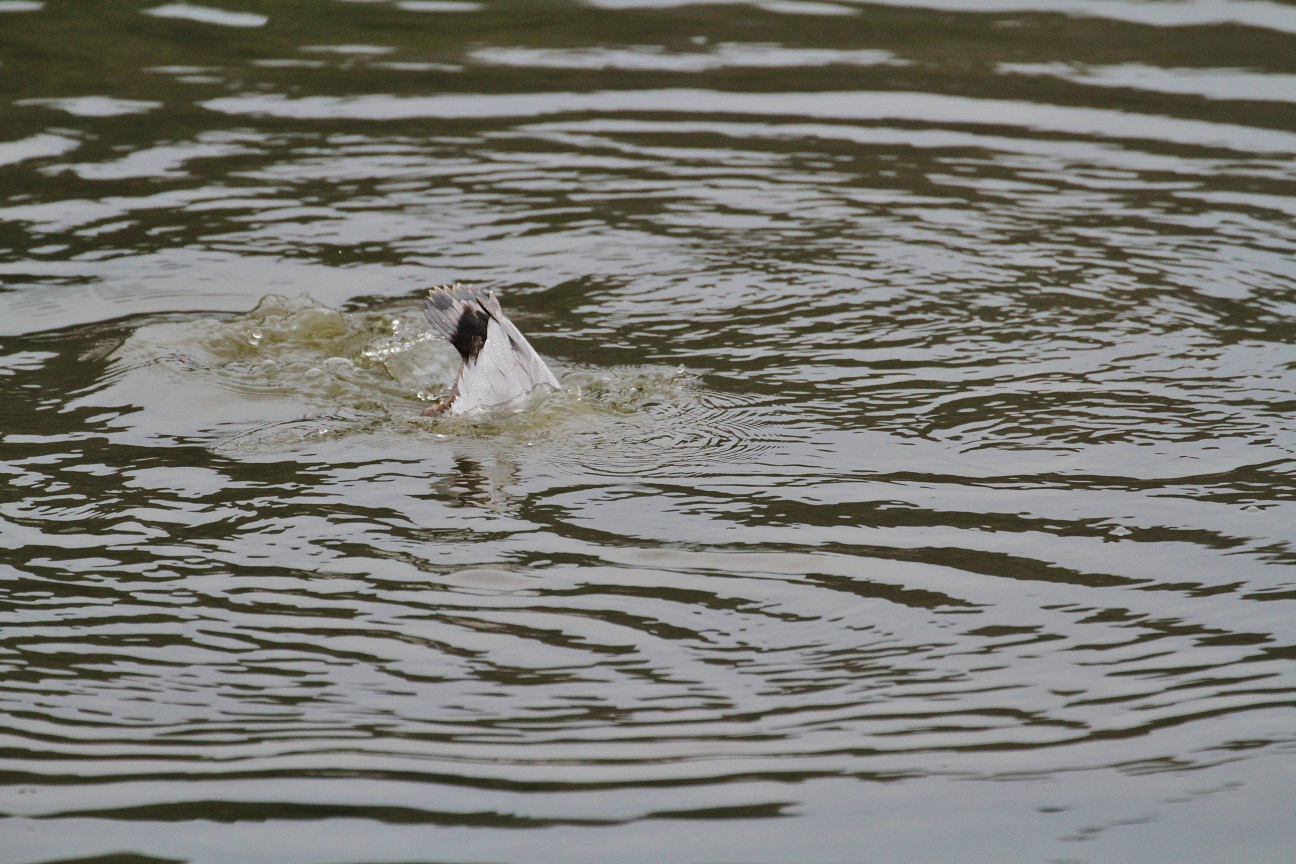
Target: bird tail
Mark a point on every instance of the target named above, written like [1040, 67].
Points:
[462, 314]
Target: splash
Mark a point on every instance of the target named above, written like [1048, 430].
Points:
[293, 373]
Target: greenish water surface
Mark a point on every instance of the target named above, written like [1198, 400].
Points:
[920, 488]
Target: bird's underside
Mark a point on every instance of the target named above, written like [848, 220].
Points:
[499, 364]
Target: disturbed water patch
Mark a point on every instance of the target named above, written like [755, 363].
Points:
[293, 372]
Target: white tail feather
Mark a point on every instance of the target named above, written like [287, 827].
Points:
[499, 363]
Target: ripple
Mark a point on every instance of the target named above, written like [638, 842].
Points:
[1211, 83]
[207, 15]
[35, 147]
[94, 106]
[924, 450]
[856, 106]
[652, 58]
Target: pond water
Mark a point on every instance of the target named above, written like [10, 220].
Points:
[920, 487]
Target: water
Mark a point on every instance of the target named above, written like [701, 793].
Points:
[921, 486]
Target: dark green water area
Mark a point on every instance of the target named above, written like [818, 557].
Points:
[920, 489]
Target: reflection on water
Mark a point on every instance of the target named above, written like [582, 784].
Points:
[920, 481]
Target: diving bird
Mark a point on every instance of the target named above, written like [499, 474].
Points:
[499, 364]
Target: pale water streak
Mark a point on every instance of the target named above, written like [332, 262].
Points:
[920, 486]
